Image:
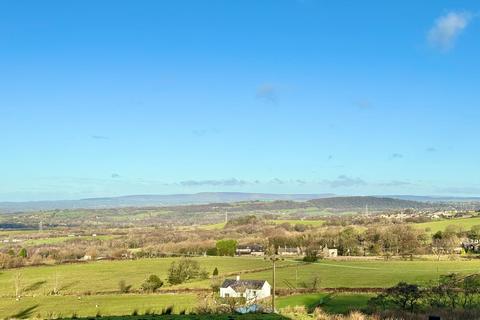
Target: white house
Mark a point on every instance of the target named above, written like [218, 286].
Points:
[251, 290]
[329, 253]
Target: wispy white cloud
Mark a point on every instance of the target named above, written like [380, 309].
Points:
[224, 183]
[394, 183]
[268, 93]
[447, 28]
[470, 190]
[99, 137]
[363, 104]
[345, 181]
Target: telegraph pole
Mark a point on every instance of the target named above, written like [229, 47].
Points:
[296, 277]
[274, 258]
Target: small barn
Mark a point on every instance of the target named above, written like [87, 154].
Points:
[251, 290]
[329, 252]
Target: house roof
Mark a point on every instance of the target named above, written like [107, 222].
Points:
[241, 285]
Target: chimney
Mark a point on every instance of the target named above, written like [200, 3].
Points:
[238, 278]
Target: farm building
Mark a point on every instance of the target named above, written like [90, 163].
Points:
[254, 250]
[251, 290]
[471, 245]
[329, 253]
[286, 251]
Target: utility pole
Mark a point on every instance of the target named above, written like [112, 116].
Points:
[296, 277]
[274, 258]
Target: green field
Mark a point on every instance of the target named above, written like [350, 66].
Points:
[367, 274]
[215, 226]
[328, 302]
[104, 276]
[256, 316]
[117, 305]
[54, 240]
[86, 285]
[359, 273]
[434, 226]
[16, 232]
[66, 306]
[315, 223]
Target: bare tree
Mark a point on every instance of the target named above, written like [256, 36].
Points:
[17, 282]
[56, 284]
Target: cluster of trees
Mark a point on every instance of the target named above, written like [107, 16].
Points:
[226, 247]
[12, 259]
[452, 291]
[401, 240]
[179, 272]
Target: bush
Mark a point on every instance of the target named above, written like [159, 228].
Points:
[311, 255]
[22, 253]
[211, 252]
[184, 270]
[152, 283]
[203, 275]
[123, 287]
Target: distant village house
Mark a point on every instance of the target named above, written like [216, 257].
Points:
[290, 251]
[329, 253]
[251, 290]
[253, 250]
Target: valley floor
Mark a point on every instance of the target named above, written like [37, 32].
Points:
[89, 289]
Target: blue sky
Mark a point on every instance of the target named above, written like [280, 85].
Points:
[105, 98]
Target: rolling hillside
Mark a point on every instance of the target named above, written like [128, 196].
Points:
[373, 203]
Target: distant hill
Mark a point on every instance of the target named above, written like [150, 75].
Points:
[435, 198]
[372, 203]
[154, 200]
[251, 201]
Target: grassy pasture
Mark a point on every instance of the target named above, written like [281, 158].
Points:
[434, 226]
[66, 306]
[359, 273]
[367, 274]
[104, 276]
[54, 240]
[314, 223]
[256, 316]
[214, 226]
[221, 225]
[331, 303]
[6, 233]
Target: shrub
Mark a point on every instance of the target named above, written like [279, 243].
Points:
[311, 255]
[22, 253]
[183, 270]
[152, 283]
[123, 287]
